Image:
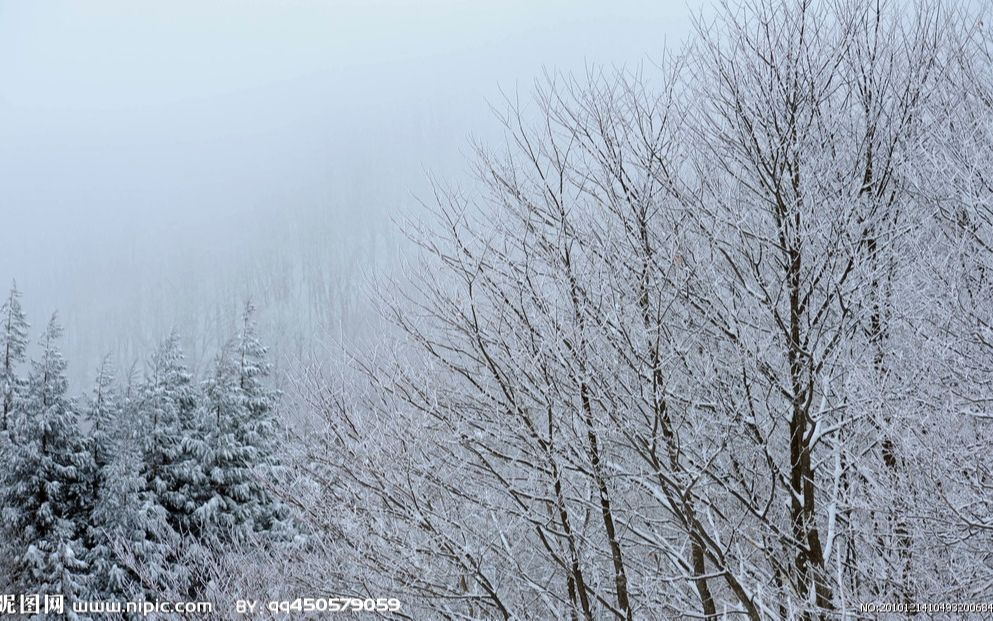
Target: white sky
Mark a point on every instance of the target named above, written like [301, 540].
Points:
[141, 142]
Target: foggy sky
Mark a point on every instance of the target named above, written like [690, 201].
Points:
[152, 155]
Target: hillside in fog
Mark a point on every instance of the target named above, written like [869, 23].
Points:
[159, 166]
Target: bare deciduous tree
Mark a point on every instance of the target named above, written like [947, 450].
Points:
[696, 343]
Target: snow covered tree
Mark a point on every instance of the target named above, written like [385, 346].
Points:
[168, 405]
[103, 413]
[13, 344]
[44, 482]
[709, 343]
[170, 475]
[239, 451]
[113, 488]
[144, 549]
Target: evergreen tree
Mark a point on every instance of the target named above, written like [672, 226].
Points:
[241, 436]
[227, 462]
[103, 414]
[44, 482]
[171, 476]
[113, 490]
[144, 547]
[169, 409]
[13, 344]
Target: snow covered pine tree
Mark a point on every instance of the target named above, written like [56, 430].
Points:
[13, 344]
[113, 486]
[240, 439]
[44, 485]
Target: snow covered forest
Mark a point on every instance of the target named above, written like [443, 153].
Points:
[709, 339]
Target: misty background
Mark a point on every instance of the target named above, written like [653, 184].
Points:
[162, 162]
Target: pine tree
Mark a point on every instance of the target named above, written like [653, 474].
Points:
[241, 430]
[169, 409]
[44, 485]
[171, 476]
[145, 547]
[103, 414]
[228, 463]
[113, 491]
[13, 344]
